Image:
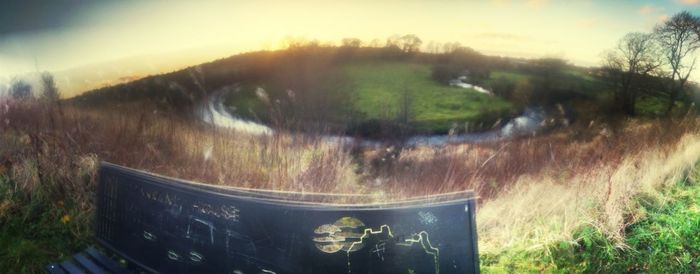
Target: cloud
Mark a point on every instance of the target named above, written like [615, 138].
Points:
[661, 18]
[646, 9]
[689, 2]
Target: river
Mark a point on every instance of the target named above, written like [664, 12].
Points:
[214, 112]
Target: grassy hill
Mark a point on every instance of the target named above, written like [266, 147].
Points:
[361, 91]
[593, 197]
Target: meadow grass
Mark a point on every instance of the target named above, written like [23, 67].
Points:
[508, 75]
[35, 230]
[404, 91]
[635, 214]
[662, 239]
[537, 195]
[378, 90]
[388, 91]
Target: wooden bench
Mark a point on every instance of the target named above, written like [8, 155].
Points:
[89, 261]
[164, 225]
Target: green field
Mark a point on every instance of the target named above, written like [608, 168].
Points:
[378, 93]
[498, 75]
[392, 92]
[405, 92]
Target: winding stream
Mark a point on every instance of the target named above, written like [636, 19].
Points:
[214, 112]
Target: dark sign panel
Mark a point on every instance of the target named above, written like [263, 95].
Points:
[172, 226]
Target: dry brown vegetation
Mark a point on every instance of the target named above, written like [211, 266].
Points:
[162, 144]
[489, 168]
[532, 190]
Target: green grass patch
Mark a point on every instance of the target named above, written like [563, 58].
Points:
[380, 89]
[666, 240]
[245, 103]
[35, 230]
[513, 76]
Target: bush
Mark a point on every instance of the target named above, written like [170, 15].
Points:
[443, 73]
[503, 87]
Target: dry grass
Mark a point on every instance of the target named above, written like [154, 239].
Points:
[490, 168]
[162, 144]
[542, 209]
[538, 191]
[533, 190]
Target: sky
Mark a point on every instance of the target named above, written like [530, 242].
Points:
[92, 43]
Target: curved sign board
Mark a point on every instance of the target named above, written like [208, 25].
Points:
[172, 226]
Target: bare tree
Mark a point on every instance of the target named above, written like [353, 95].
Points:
[393, 41]
[291, 42]
[50, 91]
[450, 47]
[20, 90]
[375, 43]
[351, 42]
[433, 47]
[410, 43]
[679, 37]
[636, 56]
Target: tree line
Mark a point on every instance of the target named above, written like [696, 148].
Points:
[657, 63]
[21, 90]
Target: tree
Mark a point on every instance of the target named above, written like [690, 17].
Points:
[351, 42]
[550, 69]
[450, 47]
[348, 48]
[393, 41]
[634, 58]
[375, 43]
[50, 91]
[20, 90]
[503, 87]
[524, 93]
[433, 47]
[410, 43]
[679, 37]
[291, 42]
[461, 61]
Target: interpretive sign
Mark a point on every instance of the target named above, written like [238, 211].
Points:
[173, 226]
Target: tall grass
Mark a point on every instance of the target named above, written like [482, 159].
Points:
[533, 191]
[51, 142]
[491, 168]
[604, 196]
[163, 144]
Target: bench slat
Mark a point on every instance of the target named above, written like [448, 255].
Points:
[55, 269]
[107, 263]
[71, 267]
[88, 264]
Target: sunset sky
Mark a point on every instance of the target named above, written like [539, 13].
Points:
[92, 43]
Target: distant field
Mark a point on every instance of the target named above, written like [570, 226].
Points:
[509, 75]
[378, 89]
[576, 80]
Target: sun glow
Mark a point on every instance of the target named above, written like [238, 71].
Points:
[110, 43]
